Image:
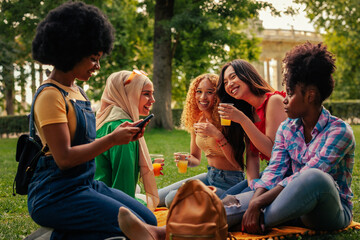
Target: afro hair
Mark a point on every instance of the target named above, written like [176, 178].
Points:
[70, 32]
[310, 64]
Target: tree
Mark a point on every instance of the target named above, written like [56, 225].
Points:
[200, 31]
[178, 40]
[133, 42]
[18, 21]
[162, 63]
[340, 22]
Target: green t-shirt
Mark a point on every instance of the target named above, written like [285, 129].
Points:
[119, 166]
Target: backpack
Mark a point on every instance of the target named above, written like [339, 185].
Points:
[29, 149]
[196, 213]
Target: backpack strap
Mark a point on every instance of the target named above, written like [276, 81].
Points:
[31, 117]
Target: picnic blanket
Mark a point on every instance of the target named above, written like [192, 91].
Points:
[275, 233]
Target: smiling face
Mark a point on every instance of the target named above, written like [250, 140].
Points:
[84, 69]
[205, 95]
[233, 85]
[146, 99]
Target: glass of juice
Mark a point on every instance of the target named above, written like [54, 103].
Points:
[156, 160]
[183, 161]
[225, 122]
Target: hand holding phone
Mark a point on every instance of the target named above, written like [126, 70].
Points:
[142, 124]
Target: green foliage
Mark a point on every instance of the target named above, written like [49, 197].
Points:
[340, 22]
[206, 34]
[133, 42]
[14, 124]
[18, 21]
[176, 116]
[348, 110]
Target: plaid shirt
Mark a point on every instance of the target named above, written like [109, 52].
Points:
[330, 150]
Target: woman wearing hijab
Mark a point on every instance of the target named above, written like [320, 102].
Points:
[127, 96]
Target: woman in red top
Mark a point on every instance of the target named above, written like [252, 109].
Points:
[239, 80]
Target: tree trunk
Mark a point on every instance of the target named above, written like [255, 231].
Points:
[41, 73]
[33, 78]
[9, 91]
[162, 64]
[22, 84]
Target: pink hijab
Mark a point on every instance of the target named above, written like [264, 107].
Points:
[126, 97]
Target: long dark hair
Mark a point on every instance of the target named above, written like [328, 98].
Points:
[246, 73]
[235, 134]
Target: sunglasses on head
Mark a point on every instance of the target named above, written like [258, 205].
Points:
[133, 74]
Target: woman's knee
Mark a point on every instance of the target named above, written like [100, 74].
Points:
[314, 177]
[169, 198]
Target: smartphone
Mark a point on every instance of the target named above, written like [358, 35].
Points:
[141, 124]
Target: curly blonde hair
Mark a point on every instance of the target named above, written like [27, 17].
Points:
[191, 113]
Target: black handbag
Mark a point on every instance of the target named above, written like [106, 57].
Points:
[29, 149]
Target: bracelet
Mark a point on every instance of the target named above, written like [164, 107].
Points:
[219, 141]
[223, 144]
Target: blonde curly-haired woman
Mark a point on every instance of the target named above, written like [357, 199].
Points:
[201, 119]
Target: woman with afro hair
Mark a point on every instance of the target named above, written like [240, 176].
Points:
[224, 151]
[63, 194]
[317, 149]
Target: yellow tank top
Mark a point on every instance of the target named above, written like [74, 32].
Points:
[209, 146]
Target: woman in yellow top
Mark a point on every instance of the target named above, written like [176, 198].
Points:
[62, 193]
[224, 151]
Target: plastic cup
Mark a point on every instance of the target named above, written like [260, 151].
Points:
[158, 157]
[157, 165]
[182, 166]
[157, 169]
[182, 155]
[182, 163]
[226, 122]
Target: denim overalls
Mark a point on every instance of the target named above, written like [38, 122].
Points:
[71, 201]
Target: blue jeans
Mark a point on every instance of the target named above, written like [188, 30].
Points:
[243, 186]
[221, 179]
[71, 201]
[311, 197]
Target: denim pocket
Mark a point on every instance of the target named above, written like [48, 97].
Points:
[89, 117]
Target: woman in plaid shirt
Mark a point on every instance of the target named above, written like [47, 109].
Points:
[314, 146]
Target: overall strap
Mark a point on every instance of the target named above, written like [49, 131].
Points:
[31, 122]
[83, 93]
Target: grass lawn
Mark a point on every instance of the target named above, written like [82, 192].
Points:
[15, 222]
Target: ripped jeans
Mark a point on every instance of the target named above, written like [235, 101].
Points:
[312, 198]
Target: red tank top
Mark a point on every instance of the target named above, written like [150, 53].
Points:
[261, 124]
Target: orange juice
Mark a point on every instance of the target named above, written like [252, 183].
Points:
[182, 166]
[157, 169]
[225, 122]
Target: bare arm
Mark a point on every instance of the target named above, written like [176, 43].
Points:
[195, 152]
[252, 164]
[66, 156]
[275, 114]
